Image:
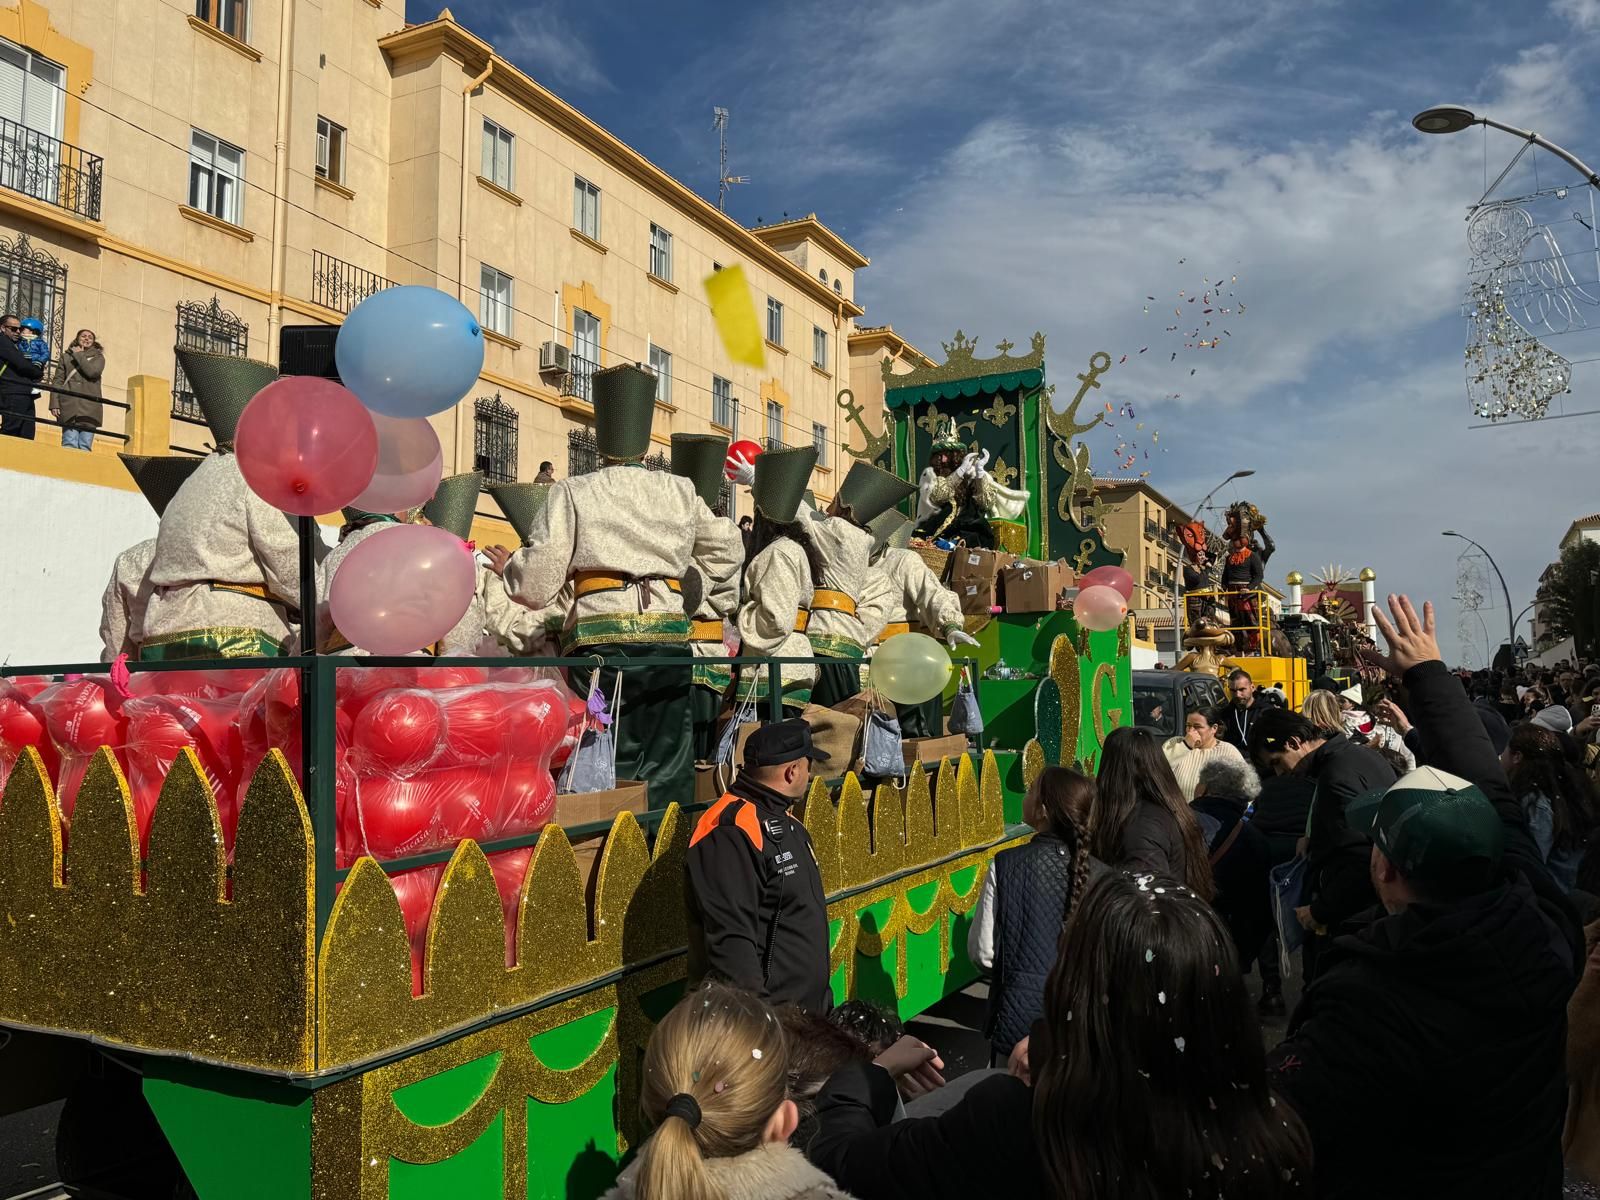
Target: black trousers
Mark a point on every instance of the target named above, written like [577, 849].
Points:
[16, 417]
[654, 732]
[705, 705]
[925, 720]
[837, 679]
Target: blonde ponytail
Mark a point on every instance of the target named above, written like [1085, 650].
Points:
[715, 1071]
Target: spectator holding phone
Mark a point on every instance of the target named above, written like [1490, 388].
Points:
[77, 406]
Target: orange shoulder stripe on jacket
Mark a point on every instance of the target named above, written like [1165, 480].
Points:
[745, 819]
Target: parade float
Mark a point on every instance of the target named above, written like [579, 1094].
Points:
[312, 1007]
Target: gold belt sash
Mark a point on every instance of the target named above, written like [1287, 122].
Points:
[894, 629]
[705, 631]
[586, 583]
[801, 620]
[833, 601]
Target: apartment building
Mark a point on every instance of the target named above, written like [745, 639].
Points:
[204, 174]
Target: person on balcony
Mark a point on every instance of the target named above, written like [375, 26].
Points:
[77, 406]
[225, 576]
[158, 478]
[711, 590]
[18, 372]
[625, 537]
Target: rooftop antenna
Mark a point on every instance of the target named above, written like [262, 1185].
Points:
[724, 180]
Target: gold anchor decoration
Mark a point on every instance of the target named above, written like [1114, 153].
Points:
[1065, 425]
[1075, 459]
[874, 443]
[1085, 556]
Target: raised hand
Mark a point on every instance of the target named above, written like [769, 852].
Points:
[1410, 638]
[498, 557]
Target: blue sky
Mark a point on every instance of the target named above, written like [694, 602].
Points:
[1017, 166]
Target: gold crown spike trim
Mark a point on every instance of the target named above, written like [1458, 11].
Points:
[919, 816]
[962, 362]
[947, 807]
[821, 820]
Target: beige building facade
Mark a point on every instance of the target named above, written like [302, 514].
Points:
[1143, 523]
[209, 179]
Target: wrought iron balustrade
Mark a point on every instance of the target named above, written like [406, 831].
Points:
[341, 286]
[49, 170]
[579, 381]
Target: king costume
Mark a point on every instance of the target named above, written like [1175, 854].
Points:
[158, 478]
[520, 630]
[957, 497]
[779, 579]
[625, 537]
[225, 573]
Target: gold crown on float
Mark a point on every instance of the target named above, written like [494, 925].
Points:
[240, 981]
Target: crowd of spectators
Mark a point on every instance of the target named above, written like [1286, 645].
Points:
[1446, 1041]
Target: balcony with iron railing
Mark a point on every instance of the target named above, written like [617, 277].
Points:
[341, 286]
[50, 171]
[1153, 531]
[579, 379]
[773, 443]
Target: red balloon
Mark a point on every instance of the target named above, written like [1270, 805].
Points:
[439, 678]
[536, 719]
[744, 451]
[306, 445]
[358, 686]
[19, 725]
[1112, 577]
[530, 798]
[509, 867]
[397, 815]
[468, 801]
[415, 890]
[399, 733]
[476, 720]
[78, 716]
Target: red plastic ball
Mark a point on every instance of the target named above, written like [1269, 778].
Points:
[468, 800]
[399, 733]
[476, 721]
[397, 815]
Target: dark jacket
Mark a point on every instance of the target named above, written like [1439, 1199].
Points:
[1152, 842]
[80, 374]
[18, 373]
[1032, 883]
[1338, 881]
[1240, 872]
[1236, 724]
[983, 1146]
[757, 913]
[1427, 1056]
[1281, 811]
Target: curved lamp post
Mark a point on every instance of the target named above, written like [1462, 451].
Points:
[1509, 617]
[1453, 118]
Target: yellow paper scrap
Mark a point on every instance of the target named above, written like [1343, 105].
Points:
[735, 314]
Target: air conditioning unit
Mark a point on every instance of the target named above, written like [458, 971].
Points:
[553, 356]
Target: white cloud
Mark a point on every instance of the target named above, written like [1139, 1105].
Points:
[1584, 15]
[548, 48]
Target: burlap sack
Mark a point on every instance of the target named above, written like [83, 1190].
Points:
[837, 734]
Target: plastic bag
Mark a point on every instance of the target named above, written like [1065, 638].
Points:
[1287, 882]
[593, 765]
[882, 752]
[965, 716]
[158, 728]
[81, 714]
[22, 725]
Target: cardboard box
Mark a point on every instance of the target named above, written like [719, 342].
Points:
[1035, 587]
[583, 808]
[931, 750]
[706, 790]
[968, 564]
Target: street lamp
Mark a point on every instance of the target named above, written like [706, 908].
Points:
[1453, 118]
[1177, 571]
[1512, 642]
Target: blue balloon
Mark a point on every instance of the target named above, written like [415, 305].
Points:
[410, 351]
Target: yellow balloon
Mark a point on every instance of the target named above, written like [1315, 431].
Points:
[910, 668]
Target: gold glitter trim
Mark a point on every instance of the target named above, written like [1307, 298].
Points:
[821, 819]
[917, 803]
[215, 641]
[1033, 763]
[175, 969]
[947, 823]
[1064, 669]
[991, 800]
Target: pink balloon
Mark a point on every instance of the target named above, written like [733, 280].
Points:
[1112, 577]
[306, 445]
[1097, 608]
[410, 465]
[402, 589]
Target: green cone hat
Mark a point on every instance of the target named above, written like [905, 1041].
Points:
[809, 499]
[780, 482]
[868, 492]
[359, 516]
[455, 503]
[624, 407]
[521, 503]
[702, 459]
[222, 385]
[890, 529]
[947, 436]
[159, 476]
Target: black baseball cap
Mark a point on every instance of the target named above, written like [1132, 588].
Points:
[781, 742]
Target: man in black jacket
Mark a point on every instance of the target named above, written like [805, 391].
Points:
[1427, 1057]
[757, 913]
[17, 375]
[1238, 717]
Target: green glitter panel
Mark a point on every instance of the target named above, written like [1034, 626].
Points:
[441, 1099]
[477, 1173]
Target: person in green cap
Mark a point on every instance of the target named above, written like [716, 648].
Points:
[225, 574]
[914, 590]
[624, 537]
[784, 570]
[710, 590]
[520, 630]
[453, 507]
[122, 606]
[957, 497]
